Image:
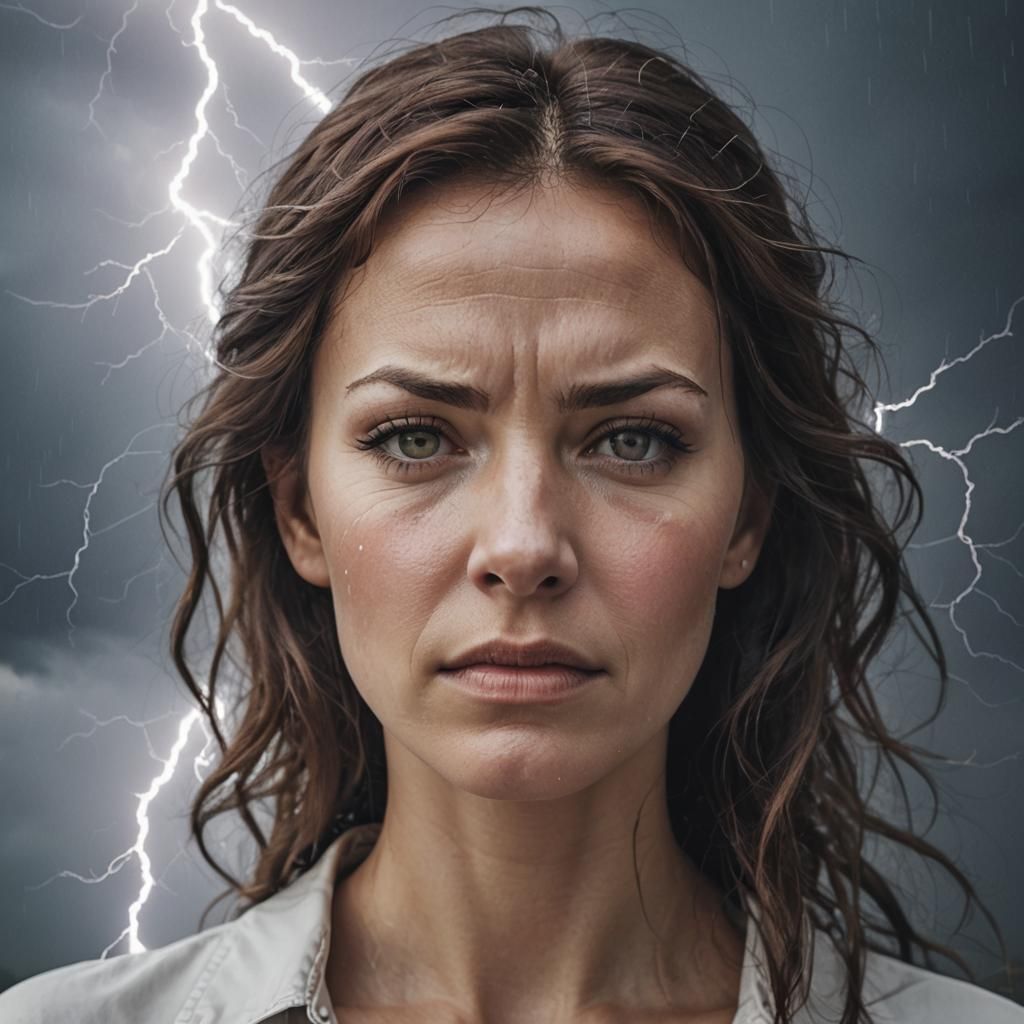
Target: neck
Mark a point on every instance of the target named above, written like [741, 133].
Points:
[529, 910]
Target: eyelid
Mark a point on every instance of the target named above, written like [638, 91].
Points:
[419, 417]
[412, 420]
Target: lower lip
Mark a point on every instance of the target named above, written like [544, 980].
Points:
[507, 685]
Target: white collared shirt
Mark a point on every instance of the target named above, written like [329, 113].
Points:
[267, 967]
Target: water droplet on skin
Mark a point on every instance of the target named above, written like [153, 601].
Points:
[360, 547]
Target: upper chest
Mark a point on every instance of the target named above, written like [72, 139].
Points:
[445, 1015]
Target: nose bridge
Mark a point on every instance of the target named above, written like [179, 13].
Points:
[524, 479]
[522, 507]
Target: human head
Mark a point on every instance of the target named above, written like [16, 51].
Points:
[761, 786]
[522, 297]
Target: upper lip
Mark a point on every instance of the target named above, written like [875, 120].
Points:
[509, 652]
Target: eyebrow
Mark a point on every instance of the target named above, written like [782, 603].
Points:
[579, 396]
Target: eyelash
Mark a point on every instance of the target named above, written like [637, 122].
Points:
[375, 439]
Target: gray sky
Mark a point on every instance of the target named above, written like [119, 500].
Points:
[902, 118]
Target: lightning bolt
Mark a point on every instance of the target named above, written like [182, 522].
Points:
[206, 224]
[209, 227]
[957, 457]
[137, 850]
[38, 17]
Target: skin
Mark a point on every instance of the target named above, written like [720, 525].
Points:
[502, 886]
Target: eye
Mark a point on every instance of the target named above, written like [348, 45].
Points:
[418, 435]
[418, 439]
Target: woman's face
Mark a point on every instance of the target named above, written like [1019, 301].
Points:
[523, 519]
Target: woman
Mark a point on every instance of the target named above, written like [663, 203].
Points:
[556, 570]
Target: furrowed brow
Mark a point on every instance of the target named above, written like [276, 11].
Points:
[579, 396]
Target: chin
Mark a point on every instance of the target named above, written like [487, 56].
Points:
[520, 764]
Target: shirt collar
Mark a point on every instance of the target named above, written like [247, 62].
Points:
[282, 944]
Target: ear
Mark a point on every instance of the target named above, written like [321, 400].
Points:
[296, 520]
[752, 524]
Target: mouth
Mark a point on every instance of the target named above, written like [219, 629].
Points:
[512, 684]
[546, 666]
[516, 654]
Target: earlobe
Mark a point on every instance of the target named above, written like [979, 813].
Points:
[748, 538]
[296, 522]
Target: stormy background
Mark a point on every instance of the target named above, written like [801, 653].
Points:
[901, 121]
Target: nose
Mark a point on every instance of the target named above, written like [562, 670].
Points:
[524, 525]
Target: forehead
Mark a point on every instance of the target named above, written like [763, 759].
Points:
[460, 268]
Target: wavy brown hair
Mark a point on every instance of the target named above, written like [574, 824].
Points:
[762, 769]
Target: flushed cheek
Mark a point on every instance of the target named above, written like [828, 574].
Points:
[666, 585]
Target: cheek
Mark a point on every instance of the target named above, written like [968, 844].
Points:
[662, 571]
[387, 566]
